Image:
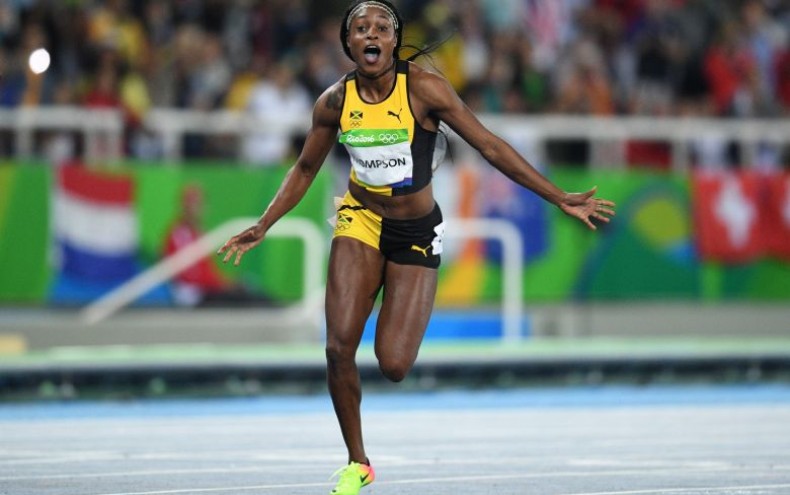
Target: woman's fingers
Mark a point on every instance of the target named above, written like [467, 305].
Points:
[230, 251]
[603, 206]
[236, 250]
[603, 209]
[600, 217]
[223, 248]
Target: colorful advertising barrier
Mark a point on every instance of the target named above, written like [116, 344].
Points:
[69, 234]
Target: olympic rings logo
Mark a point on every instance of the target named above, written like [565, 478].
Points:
[389, 138]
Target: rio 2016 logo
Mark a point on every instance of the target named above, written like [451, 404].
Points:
[375, 137]
[390, 138]
[359, 139]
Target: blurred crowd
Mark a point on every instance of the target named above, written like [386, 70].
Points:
[728, 58]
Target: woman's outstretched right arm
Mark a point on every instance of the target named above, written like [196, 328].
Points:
[320, 139]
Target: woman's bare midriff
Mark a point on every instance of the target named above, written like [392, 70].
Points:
[415, 205]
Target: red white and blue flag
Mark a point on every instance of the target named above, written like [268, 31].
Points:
[96, 231]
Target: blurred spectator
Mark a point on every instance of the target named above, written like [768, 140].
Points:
[647, 57]
[14, 79]
[783, 79]
[583, 84]
[475, 49]
[503, 15]
[498, 82]
[733, 75]
[209, 81]
[438, 22]
[33, 38]
[533, 84]
[104, 88]
[114, 86]
[279, 96]
[238, 96]
[202, 283]
[111, 24]
[658, 59]
[324, 61]
[763, 37]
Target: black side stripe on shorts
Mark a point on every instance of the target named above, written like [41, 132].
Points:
[352, 208]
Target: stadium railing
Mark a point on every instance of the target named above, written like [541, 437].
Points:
[608, 136]
[102, 130]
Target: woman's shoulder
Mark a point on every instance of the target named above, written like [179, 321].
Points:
[424, 76]
[427, 84]
[329, 105]
[333, 96]
[417, 70]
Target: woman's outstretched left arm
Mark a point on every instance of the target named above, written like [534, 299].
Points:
[439, 98]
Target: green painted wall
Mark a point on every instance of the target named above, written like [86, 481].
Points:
[24, 232]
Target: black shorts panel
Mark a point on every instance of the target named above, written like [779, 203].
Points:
[413, 242]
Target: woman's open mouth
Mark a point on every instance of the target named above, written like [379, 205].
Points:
[372, 54]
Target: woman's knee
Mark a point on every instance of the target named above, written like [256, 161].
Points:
[339, 351]
[394, 370]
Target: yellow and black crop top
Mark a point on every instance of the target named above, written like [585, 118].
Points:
[391, 154]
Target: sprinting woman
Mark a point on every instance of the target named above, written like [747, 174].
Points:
[389, 229]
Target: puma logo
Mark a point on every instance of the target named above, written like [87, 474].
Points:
[419, 249]
[393, 114]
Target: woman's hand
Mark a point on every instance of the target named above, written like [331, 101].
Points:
[241, 243]
[585, 207]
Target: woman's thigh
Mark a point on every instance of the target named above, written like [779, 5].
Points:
[409, 293]
[354, 278]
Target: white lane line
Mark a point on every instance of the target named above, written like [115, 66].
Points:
[152, 472]
[635, 468]
[225, 489]
[63, 458]
[50, 457]
[710, 490]
[706, 490]
[450, 479]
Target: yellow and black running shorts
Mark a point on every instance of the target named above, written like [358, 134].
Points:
[406, 242]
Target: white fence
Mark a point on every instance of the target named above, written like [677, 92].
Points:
[103, 131]
[607, 136]
[512, 265]
[309, 310]
[299, 228]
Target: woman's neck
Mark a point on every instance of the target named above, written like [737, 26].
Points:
[377, 86]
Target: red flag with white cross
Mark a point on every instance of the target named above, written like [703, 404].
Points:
[727, 216]
[776, 216]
